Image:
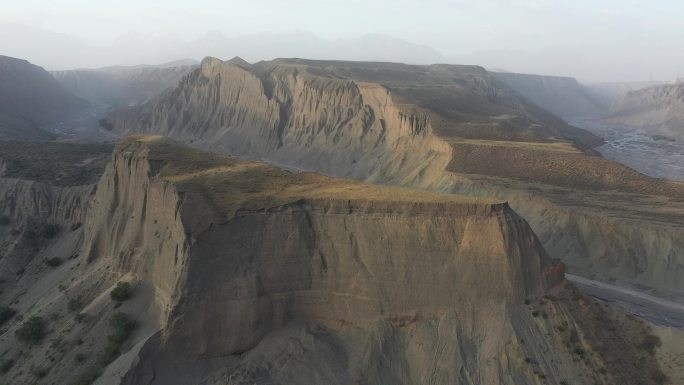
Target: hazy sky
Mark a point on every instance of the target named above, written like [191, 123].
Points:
[633, 38]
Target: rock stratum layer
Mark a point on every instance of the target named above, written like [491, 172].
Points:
[444, 128]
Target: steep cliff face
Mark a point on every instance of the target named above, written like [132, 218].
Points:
[32, 203]
[156, 222]
[594, 234]
[432, 127]
[295, 117]
[659, 109]
[264, 275]
[135, 224]
[562, 96]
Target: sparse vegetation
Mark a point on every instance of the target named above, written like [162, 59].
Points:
[88, 376]
[80, 317]
[105, 124]
[39, 371]
[6, 366]
[53, 262]
[48, 230]
[121, 292]
[75, 304]
[6, 314]
[56, 163]
[650, 343]
[32, 331]
[122, 327]
[80, 358]
[5, 220]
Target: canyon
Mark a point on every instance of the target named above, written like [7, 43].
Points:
[305, 221]
[318, 279]
[441, 128]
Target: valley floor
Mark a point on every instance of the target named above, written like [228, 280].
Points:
[652, 155]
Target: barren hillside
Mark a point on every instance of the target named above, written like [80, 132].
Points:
[30, 99]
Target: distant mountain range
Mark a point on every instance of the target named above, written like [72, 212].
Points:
[63, 52]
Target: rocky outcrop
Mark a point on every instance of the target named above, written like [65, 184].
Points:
[294, 117]
[159, 229]
[563, 96]
[21, 199]
[658, 109]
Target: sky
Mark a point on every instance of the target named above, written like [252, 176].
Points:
[594, 40]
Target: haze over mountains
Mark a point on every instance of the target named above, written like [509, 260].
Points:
[658, 109]
[323, 211]
[64, 53]
[31, 98]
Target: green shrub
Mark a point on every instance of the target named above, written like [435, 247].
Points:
[121, 292]
[53, 262]
[75, 304]
[80, 317]
[6, 366]
[650, 343]
[122, 327]
[48, 230]
[39, 372]
[6, 314]
[80, 357]
[32, 331]
[88, 377]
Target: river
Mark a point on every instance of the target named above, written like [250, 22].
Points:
[636, 148]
